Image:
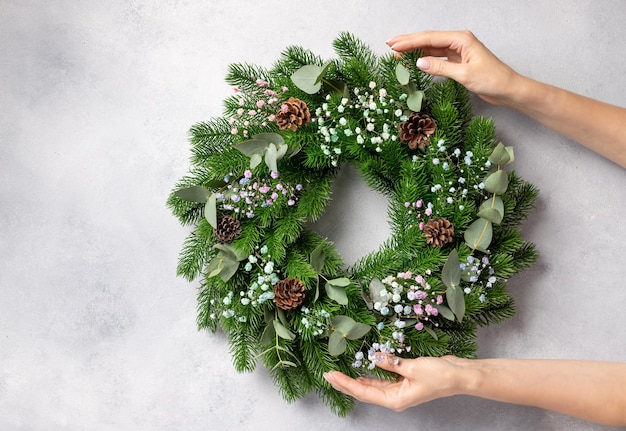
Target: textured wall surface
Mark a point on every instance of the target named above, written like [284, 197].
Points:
[96, 97]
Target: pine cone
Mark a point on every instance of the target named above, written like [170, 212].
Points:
[416, 130]
[228, 229]
[438, 232]
[289, 293]
[293, 114]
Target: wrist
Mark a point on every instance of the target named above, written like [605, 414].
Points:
[466, 377]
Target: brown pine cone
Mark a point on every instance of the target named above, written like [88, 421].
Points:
[438, 232]
[293, 114]
[416, 130]
[289, 293]
[227, 230]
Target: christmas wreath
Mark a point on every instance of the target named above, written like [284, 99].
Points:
[265, 169]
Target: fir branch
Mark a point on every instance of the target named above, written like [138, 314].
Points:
[211, 137]
[195, 252]
[244, 76]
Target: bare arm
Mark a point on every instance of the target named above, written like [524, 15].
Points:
[598, 126]
[593, 391]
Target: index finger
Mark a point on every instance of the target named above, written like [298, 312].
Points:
[436, 43]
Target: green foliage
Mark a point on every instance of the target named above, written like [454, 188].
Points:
[273, 182]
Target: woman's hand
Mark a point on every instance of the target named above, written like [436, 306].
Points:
[419, 380]
[467, 61]
[460, 56]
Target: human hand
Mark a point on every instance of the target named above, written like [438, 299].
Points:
[468, 62]
[419, 380]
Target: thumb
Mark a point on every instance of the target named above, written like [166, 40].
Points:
[438, 67]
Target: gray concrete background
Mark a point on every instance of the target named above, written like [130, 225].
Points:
[96, 97]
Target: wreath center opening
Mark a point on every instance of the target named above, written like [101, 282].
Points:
[356, 219]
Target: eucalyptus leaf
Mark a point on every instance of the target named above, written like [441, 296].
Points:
[317, 290]
[414, 101]
[337, 294]
[317, 258]
[494, 202]
[456, 301]
[283, 332]
[268, 336]
[497, 182]
[445, 312]
[281, 316]
[342, 323]
[402, 74]
[478, 235]
[210, 210]
[270, 137]
[216, 184]
[337, 86]
[270, 158]
[451, 272]
[336, 343]
[252, 146]
[281, 150]
[341, 282]
[376, 287]
[231, 252]
[367, 300]
[511, 155]
[348, 327]
[491, 214]
[255, 160]
[194, 194]
[285, 363]
[499, 155]
[215, 266]
[228, 270]
[306, 78]
[358, 330]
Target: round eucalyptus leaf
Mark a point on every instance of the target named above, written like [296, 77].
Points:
[306, 78]
[497, 182]
[270, 158]
[414, 101]
[252, 146]
[491, 214]
[337, 294]
[275, 138]
[336, 343]
[402, 74]
[255, 160]
[478, 235]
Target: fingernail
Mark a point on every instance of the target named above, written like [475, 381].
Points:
[330, 379]
[422, 63]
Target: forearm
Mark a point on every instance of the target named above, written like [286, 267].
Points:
[598, 126]
[594, 391]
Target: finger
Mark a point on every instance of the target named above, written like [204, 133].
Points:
[434, 42]
[379, 383]
[357, 389]
[439, 67]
